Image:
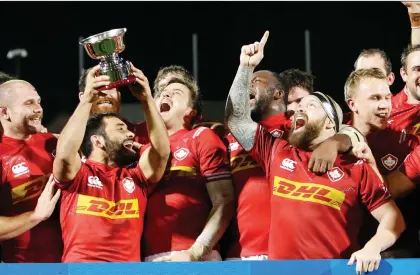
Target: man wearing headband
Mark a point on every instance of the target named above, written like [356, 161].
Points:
[26, 157]
[368, 96]
[314, 216]
[270, 95]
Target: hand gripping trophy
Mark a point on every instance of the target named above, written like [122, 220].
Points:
[105, 47]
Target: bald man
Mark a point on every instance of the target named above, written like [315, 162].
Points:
[28, 225]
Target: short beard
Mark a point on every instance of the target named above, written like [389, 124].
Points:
[117, 153]
[304, 139]
[115, 108]
[262, 104]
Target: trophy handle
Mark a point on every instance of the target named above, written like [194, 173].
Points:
[119, 45]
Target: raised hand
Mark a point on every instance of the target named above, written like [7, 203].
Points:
[252, 54]
[93, 82]
[413, 7]
[141, 89]
[362, 151]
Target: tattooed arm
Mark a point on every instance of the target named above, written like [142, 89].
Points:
[238, 114]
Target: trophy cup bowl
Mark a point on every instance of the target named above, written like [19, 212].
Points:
[105, 47]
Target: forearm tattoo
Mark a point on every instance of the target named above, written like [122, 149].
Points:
[238, 114]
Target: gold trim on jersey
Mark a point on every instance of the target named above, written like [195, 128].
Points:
[123, 209]
[309, 192]
[29, 190]
[242, 162]
[182, 171]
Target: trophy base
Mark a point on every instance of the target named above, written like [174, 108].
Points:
[119, 83]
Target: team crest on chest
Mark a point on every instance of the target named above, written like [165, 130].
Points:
[389, 161]
[128, 185]
[277, 133]
[335, 174]
[181, 153]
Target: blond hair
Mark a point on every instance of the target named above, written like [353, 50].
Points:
[354, 79]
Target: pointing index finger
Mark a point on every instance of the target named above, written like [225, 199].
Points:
[264, 39]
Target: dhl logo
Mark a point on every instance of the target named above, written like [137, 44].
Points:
[29, 190]
[242, 162]
[309, 192]
[124, 209]
[181, 171]
[415, 129]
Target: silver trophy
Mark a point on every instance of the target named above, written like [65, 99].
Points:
[105, 47]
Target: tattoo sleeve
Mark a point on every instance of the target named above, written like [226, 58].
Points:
[238, 113]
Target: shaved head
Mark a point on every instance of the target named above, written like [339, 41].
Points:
[20, 109]
[9, 90]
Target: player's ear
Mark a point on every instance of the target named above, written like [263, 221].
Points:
[391, 78]
[97, 141]
[330, 124]
[278, 94]
[350, 102]
[80, 95]
[190, 113]
[4, 113]
[403, 74]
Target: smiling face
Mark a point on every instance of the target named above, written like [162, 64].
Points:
[107, 136]
[21, 108]
[118, 141]
[372, 102]
[411, 74]
[107, 101]
[369, 97]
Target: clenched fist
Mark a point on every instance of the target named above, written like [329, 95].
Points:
[251, 55]
[93, 83]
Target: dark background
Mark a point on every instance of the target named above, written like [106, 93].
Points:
[159, 34]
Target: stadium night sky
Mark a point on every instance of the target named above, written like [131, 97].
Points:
[159, 34]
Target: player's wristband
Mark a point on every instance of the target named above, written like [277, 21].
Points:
[355, 136]
[415, 20]
[349, 150]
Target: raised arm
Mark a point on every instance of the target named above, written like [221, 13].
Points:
[238, 114]
[414, 14]
[67, 161]
[154, 159]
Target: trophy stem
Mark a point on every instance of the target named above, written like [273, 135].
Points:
[110, 59]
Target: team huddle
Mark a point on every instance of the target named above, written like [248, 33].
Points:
[288, 175]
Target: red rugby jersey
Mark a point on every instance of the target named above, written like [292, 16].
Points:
[178, 207]
[248, 233]
[102, 213]
[315, 217]
[404, 116]
[26, 166]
